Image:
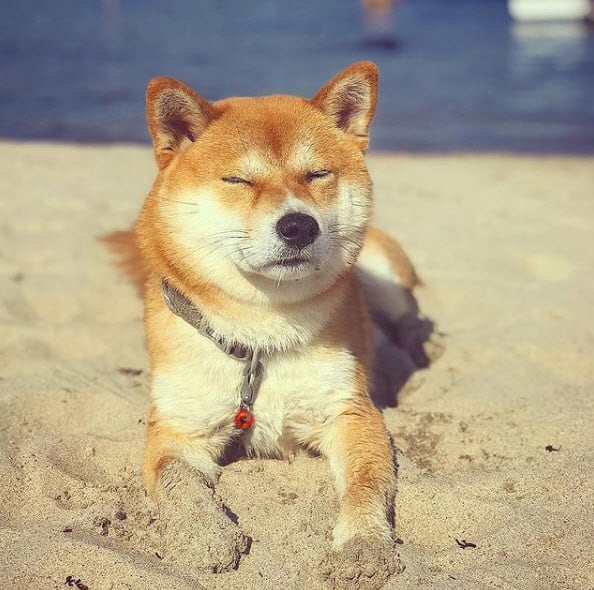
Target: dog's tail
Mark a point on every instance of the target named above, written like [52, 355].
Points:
[123, 245]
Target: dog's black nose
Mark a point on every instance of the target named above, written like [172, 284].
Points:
[298, 229]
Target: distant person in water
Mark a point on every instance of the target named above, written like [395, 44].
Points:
[378, 19]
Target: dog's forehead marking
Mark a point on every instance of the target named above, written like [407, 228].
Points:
[298, 157]
[302, 154]
[254, 163]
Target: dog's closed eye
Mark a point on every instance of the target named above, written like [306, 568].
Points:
[237, 180]
[317, 174]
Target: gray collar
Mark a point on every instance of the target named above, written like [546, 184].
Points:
[181, 306]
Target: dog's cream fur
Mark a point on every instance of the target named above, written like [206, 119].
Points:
[215, 241]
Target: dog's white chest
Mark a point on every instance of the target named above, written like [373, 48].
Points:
[298, 393]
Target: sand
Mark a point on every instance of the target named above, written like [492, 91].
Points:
[506, 247]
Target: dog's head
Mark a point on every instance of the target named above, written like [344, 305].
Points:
[267, 196]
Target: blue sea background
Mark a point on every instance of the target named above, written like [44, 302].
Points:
[463, 77]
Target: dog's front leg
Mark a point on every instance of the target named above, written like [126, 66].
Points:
[195, 527]
[361, 457]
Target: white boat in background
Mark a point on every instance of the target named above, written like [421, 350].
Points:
[549, 10]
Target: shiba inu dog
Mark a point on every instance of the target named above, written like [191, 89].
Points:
[262, 282]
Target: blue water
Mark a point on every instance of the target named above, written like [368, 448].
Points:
[462, 78]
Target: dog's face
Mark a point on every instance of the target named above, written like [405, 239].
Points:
[272, 192]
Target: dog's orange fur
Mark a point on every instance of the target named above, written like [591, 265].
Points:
[320, 322]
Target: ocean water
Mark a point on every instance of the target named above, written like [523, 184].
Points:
[462, 77]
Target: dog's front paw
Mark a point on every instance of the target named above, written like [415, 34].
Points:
[189, 543]
[362, 563]
[198, 531]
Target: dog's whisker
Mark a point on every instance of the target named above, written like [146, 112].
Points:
[280, 278]
[182, 202]
[208, 248]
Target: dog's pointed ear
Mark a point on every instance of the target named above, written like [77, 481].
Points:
[176, 116]
[350, 99]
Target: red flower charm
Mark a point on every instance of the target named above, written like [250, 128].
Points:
[244, 419]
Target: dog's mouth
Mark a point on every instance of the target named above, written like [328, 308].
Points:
[290, 263]
[293, 262]
[287, 264]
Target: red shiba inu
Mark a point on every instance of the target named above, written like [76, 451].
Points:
[262, 277]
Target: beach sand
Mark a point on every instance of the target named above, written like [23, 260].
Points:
[505, 245]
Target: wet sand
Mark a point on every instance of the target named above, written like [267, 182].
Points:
[505, 245]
